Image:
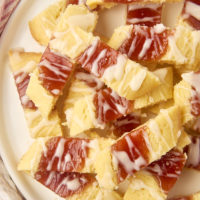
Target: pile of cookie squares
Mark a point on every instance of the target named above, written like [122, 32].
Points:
[112, 118]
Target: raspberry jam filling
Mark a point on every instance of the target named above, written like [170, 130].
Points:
[168, 169]
[64, 154]
[22, 80]
[126, 124]
[144, 15]
[110, 106]
[64, 184]
[146, 43]
[54, 71]
[131, 153]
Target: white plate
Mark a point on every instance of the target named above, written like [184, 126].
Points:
[14, 136]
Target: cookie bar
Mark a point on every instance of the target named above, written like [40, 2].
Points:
[104, 156]
[147, 143]
[186, 94]
[158, 43]
[22, 64]
[163, 92]
[158, 178]
[94, 111]
[63, 154]
[144, 14]
[138, 148]
[86, 47]
[42, 25]
[48, 80]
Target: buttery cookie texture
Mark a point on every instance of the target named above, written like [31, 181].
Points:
[115, 118]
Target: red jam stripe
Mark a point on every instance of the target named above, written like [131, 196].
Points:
[89, 79]
[146, 43]
[64, 154]
[110, 106]
[126, 124]
[55, 70]
[131, 153]
[168, 169]
[193, 153]
[191, 12]
[97, 58]
[22, 80]
[64, 184]
[144, 15]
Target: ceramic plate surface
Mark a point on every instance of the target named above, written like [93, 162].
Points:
[14, 136]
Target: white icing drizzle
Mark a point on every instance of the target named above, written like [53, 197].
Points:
[88, 54]
[55, 91]
[138, 79]
[50, 178]
[138, 6]
[25, 99]
[61, 45]
[135, 119]
[159, 28]
[153, 38]
[95, 66]
[146, 46]
[70, 183]
[144, 19]
[89, 78]
[29, 67]
[115, 71]
[93, 116]
[123, 158]
[59, 153]
[192, 9]
[121, 104]
[55, 68]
